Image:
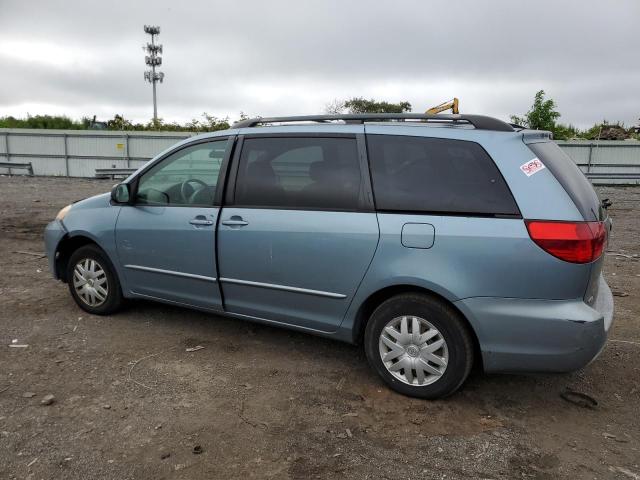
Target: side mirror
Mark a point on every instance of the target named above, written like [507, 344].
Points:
[120, 194]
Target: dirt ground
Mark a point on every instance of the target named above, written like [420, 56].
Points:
[260, 402]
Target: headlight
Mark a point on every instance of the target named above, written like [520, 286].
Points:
[62, 213]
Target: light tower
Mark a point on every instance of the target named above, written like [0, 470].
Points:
[153, 60]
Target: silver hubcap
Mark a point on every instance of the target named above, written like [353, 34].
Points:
[413, 350]
[90, 282]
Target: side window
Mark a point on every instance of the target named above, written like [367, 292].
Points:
[436, 175]
[321, 173]
[188, 177]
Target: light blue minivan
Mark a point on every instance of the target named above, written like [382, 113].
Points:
[436, 241]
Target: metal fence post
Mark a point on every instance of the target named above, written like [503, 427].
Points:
[590, 156]
[66, 155]
[126, 148]
[6, 149]
[5, 153]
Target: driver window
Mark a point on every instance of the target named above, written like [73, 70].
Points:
[187, 177]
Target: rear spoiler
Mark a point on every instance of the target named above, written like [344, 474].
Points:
[536, 136]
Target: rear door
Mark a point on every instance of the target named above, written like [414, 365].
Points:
[299, 231]
[166, 239]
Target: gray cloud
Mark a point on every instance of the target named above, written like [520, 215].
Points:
[277, 57]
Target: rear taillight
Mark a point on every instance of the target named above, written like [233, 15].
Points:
[575, 242]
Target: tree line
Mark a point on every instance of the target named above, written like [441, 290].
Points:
[542, 115]
[207, 123]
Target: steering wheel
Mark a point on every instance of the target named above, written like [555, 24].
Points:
[187, 190]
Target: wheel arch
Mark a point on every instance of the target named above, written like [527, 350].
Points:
[69, 244]
[378, 297]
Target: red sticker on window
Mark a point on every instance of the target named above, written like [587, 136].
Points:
[532, 166]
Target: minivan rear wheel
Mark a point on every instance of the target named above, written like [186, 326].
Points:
[419, 345]
[93, 282]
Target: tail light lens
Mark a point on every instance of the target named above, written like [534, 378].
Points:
[575, 242]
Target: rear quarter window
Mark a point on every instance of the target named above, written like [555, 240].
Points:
[571, 178]
[418, 174]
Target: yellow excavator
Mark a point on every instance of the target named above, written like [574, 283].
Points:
[450, 105]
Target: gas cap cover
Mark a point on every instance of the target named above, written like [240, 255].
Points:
[418, 235]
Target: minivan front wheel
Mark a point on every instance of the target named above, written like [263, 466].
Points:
[93, 282]
[419, 345]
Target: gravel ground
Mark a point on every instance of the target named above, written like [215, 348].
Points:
[260, 402]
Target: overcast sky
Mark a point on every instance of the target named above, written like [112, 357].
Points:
[293, 57]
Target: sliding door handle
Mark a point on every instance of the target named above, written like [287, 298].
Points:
[200, 221]
[235, 221]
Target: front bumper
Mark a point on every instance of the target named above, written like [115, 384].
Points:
[526, 335]
[53, 233]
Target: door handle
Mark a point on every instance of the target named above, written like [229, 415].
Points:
[235, 221]
[200, 221]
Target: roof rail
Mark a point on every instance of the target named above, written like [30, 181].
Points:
[480, 122]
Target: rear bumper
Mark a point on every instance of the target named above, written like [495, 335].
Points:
[524, 335]
[53, 233]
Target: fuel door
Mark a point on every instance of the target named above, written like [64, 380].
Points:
[418, 235]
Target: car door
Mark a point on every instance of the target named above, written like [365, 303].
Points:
[299, 230]
[166, 239]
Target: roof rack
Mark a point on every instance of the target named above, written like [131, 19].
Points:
[479, 122]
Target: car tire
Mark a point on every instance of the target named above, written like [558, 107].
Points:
[93, 282]
[430, 356]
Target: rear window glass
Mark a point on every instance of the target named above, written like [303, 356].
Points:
[570, 177]
[436, 175]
